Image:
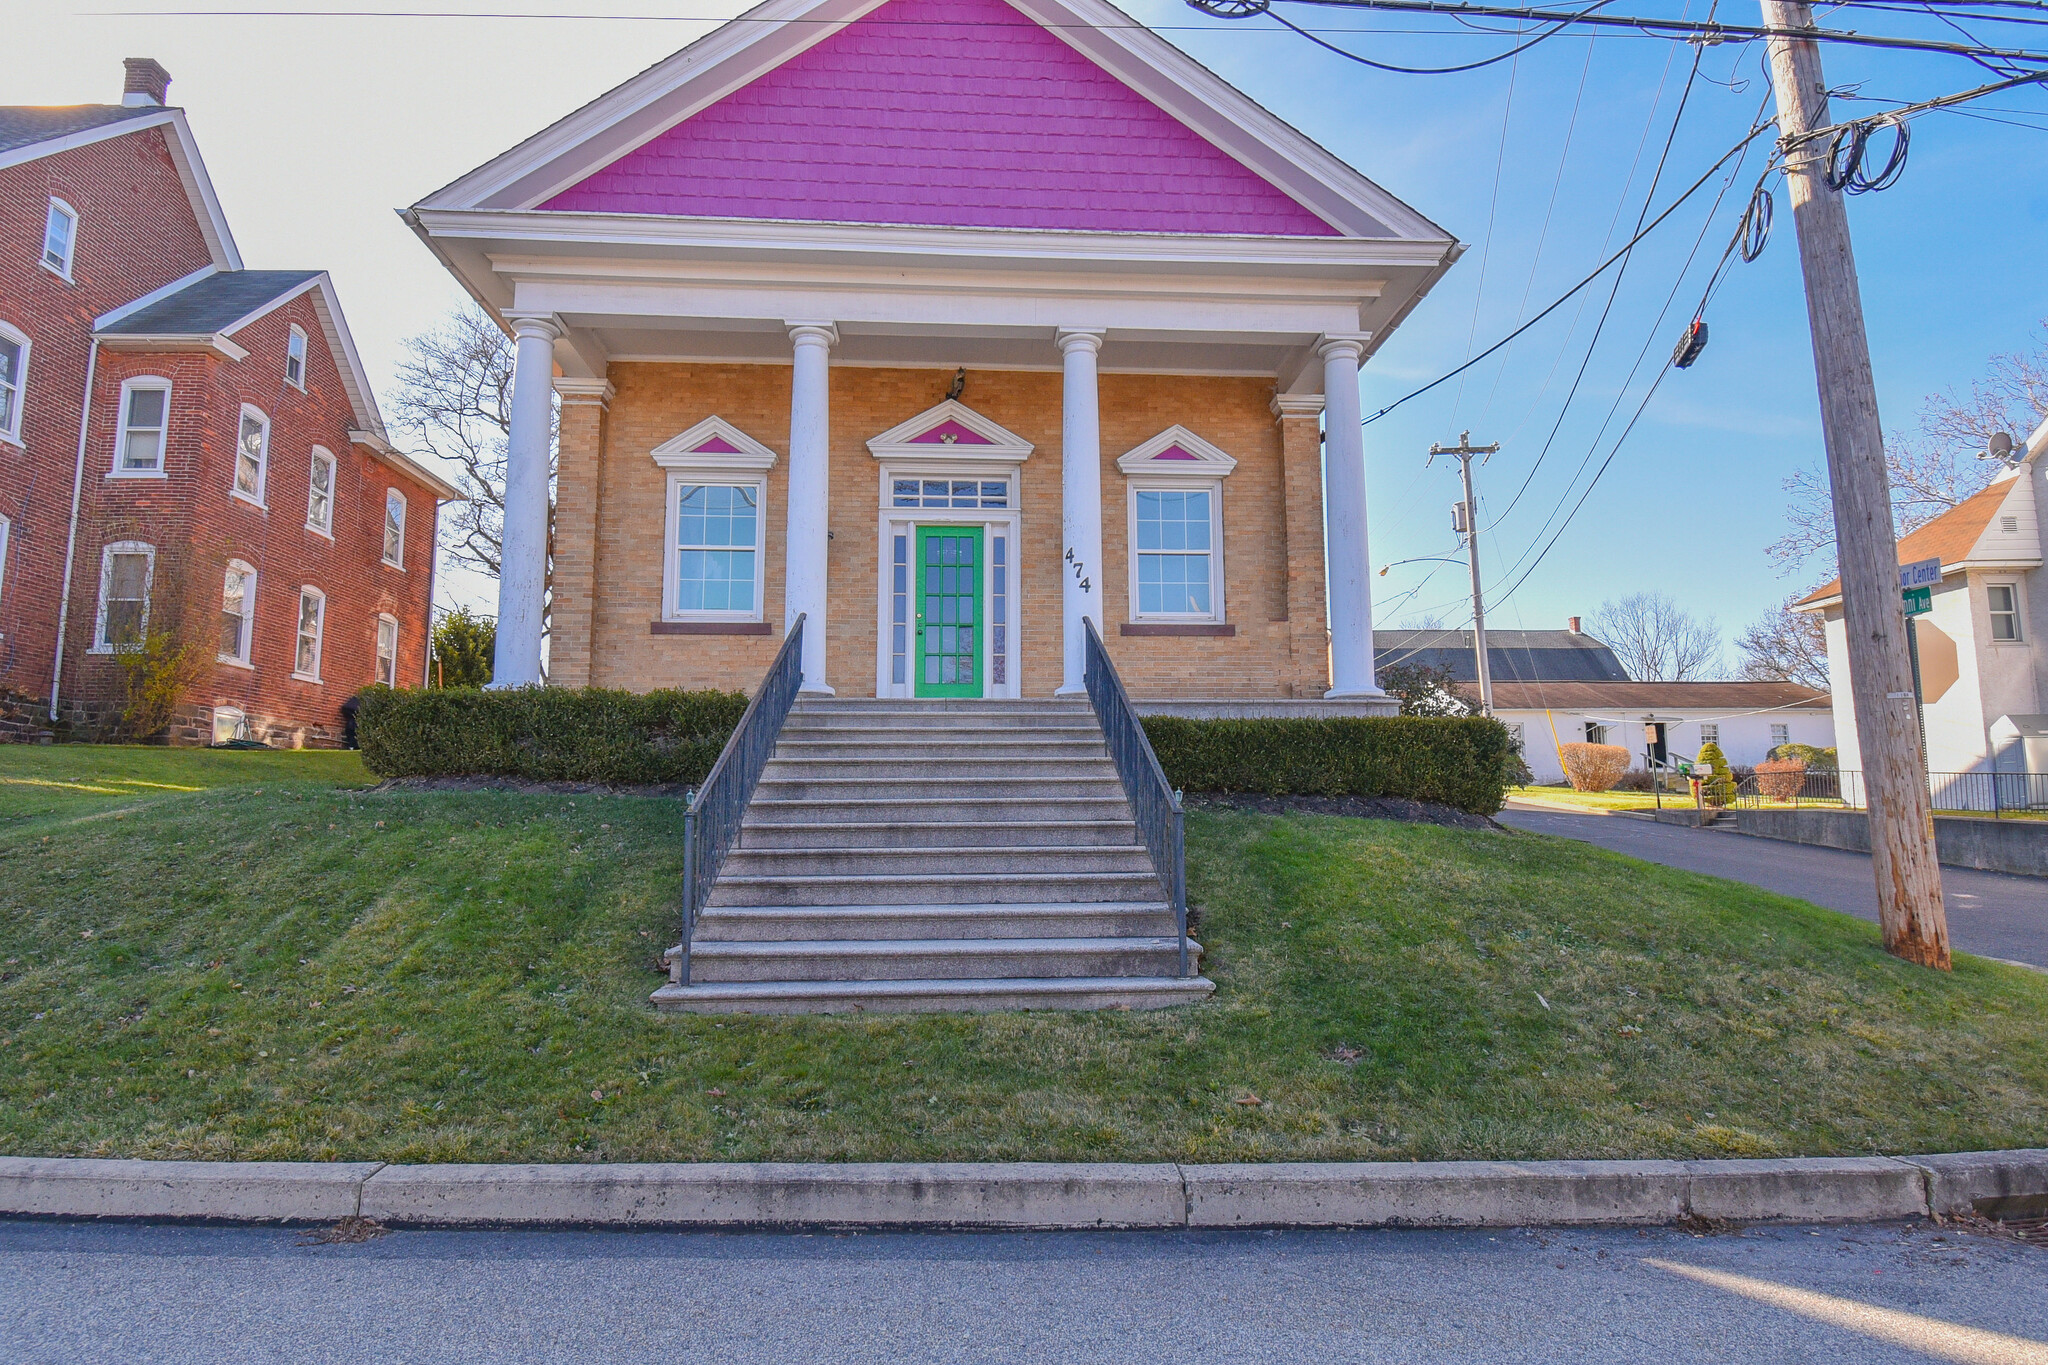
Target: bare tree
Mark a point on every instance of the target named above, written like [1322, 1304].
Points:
[454, 400]
[1656, 640]
[1934, 466]
[1786, 646]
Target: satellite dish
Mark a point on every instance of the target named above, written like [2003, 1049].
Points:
[2000, 446]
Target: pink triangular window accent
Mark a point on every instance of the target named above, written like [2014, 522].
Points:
[953, 113]
[714, 445]
[1175, 453]
[951, 433]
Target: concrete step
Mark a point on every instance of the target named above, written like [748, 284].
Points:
[932, 706]
[935, 959]
[932, 996]
[949, 768]
[786, 787]
[920, 748]
[926, 811]
[791, 923]
[934, 888]
[1022, 831]
[899, 858]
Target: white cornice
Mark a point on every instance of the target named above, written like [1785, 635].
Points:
[386, 453]
[679, 452]
[1210, 462]
[217, 343]
[899, 442]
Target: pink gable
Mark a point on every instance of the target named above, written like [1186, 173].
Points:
[950, 432]
[1174, 453]
[955, 113]
[714, 445]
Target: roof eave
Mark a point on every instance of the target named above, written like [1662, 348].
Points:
[405, 464]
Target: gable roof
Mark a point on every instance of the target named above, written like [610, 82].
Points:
[30, 132]
[1210, 122]
[1953, 538]
[221, 302]
[1512, 655]
[1731, 696]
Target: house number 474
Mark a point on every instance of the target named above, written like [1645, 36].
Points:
[1080, 572]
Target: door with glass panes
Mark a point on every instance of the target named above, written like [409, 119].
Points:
[951, 639]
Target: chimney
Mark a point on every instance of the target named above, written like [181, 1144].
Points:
[147, 84]
[1573, 622]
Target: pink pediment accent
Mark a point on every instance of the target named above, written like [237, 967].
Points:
[944, 113]
[1176, 453]
[950, 432]
[714, 445]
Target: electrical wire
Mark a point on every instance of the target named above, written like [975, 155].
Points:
[1500, 161]
[1560, 26]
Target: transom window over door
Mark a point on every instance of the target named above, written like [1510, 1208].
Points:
[950, 493]
[717, 551]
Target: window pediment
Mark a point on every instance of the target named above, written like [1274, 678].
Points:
[1177, 452]
[713, 443]
[952, 432]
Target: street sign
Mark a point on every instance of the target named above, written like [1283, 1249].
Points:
[1925, 573]
[1919, 601]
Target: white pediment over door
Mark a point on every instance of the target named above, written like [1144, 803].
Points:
[954, 433]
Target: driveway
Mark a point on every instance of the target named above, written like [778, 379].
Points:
[1992, 914]
[1871, 1295]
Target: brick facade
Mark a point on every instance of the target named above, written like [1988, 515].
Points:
[611, 527]
[137, 231]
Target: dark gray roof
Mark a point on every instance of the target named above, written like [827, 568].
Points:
[26, 125]
[1515, 655]
[206, 306]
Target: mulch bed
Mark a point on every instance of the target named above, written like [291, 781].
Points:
[1362, 807]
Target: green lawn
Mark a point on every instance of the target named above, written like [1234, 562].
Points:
[275, 967]
[80, 779]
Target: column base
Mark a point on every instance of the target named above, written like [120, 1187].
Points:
[1361, 693]
[1078, 691]
[815, 690]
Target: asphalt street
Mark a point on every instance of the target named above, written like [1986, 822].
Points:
[1870, 1294]
[1993, 914]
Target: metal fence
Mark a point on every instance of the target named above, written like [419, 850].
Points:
[1154, 803]
[711, 824]
[1993, 794]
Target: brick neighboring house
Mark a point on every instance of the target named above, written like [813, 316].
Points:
[186, 444]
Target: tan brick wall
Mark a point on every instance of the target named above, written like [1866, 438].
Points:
[1272, 543]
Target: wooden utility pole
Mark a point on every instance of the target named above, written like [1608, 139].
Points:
[1880, 674]
[1468, 526]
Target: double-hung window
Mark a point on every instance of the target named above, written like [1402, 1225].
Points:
[2004, 600]
[1710, 733]
[252, 455]
[295, 359]
[394, 528]
[312, 623]
[5, 527]
[145, 422]
[1780, 734]
[237, 612]
[13, 374]
[320, 493]
[716, 553]
[125, 571]
[1174, 546]
[387, 650]
[60, 237]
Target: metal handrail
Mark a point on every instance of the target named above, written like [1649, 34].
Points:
[711, 823]
[1155, 804]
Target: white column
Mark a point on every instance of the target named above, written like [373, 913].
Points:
[1080, 501]
[810, 492]
[523, 553]
[1351, 672]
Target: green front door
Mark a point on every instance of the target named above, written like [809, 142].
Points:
[949, 634]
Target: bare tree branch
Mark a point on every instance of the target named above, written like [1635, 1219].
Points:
[1656, 640]
[1786, 646]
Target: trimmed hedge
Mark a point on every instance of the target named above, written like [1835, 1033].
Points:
[546, 734]
[1460, 761]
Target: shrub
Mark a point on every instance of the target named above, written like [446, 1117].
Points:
[1424, 690]
[157, 671]
[1461, 761]
[1718, 789]
[1634, 780]
[1594, 767]
[1816, 759]
[1780, 779]
[546, 734]
[463, 645]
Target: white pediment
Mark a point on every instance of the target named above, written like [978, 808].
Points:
[713, 443]
[1177, 451]
[952, 432]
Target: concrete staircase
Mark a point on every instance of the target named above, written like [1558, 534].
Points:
[936, 855]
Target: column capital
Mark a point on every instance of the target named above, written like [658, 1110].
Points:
[1085, 338]
[813, 333]
[1342, 343]
[546, 326]
[598, 391]
[1286, 405]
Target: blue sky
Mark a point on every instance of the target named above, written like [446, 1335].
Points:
[316, 128]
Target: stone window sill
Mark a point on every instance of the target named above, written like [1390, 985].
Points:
[1200, 628]
[709, 628]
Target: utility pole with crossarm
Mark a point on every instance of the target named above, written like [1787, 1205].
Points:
[1466, 518]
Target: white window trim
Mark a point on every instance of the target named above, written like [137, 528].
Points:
[333, 487]
[903, 521]
[384, 529]
[396, 639]
[6, 527]
[297, 334]
[11, 433]
[1144, 470]
[2019, 632]
[319, 633]
[671, 567]
[163, 436]
[262, 460]
[121, 547]
[43, 247]
[244, 657]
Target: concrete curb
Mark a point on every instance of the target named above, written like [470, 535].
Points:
[1033, 1195]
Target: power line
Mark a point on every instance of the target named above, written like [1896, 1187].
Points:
[1559, 27]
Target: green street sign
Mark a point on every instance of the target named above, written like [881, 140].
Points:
[1919, 601]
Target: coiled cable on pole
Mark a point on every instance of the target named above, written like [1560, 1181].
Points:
[1755, 229]
[1845, 170]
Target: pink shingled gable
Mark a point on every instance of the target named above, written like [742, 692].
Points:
[960, 435]
[956, 113]
[1175, 453]
[714, 445]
